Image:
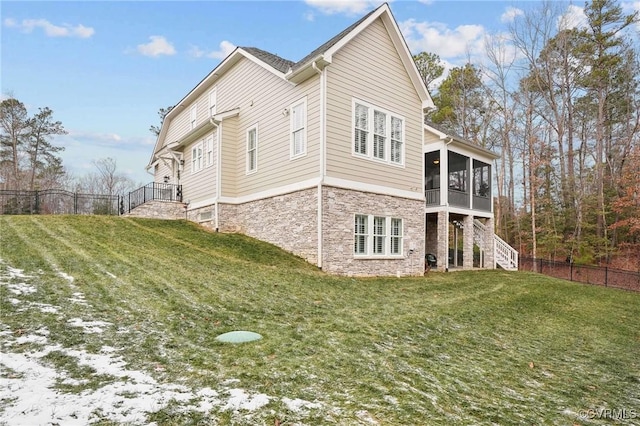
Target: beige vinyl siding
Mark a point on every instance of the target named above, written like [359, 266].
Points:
[228, 142]
[162, 171]
[369, 69]
[201, 185]
[262, 97]
[430, 137]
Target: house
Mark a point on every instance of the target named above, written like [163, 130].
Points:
[324, 157]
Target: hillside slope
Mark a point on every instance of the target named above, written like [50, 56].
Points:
[122, 314]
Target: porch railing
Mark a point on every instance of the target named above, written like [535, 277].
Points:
[481, 203]
[458, 198]
[154, 191]
[432, 196]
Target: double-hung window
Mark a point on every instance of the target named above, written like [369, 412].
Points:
[212, 103]
[192, 117]
[377, 134]
[209, 151]
[298, 113]
[377, 236]
[196, 158]
[361, 230]
[252, 149]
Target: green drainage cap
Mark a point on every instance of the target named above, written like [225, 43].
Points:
[238, 337]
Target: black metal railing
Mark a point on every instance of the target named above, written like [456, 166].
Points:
[154, 191]
[56, 201]
[588, 274]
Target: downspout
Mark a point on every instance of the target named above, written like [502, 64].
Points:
[323, 167]
[218, 172]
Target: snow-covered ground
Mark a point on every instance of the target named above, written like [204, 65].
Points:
[29, 385]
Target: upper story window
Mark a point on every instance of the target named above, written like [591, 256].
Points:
[209, 151]
[377, 134]
[196, 158]
[252, 149]
[212, 103]
[192, 117]
[298, 114]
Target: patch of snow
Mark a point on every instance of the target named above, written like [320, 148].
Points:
[297, 404]
[89, 327]
[79, 299]
[111, 275]
[31, 338]
[16, 273]
[46, 309]
[21, 289]
[366, 417]
[391, 399]
[239, 400]
[66, 276]
[14, 301]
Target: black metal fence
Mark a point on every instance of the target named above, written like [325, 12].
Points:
[152, 191]
[597, 275]
[56, 201]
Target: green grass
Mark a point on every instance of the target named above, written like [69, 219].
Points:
[486, 347]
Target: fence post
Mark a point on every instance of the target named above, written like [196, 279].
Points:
[75, 203]
[37, 208]
[571, 271]
[606, 276]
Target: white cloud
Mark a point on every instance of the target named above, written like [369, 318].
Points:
[156, 47]
[510, 14]
[309, 16]
[632, 7]
[435, 37]
[573, 17]
[348, 7]
[224, 49]
[50, 30]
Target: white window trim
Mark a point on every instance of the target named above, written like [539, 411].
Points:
[387, 239]
[370, 132]
[213, 95]
[194, 158]
[193, 117]
[292, 154]
[255, 169]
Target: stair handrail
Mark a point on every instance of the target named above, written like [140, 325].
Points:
[506, 252]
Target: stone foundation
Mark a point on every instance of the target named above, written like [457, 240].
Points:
[339, 208]
[159, 210]
[289, 221]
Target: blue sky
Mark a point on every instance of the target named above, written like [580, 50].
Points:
[106, 67]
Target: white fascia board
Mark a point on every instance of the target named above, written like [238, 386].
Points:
[376, 189]
[435, 131]
[260, 63]
[405, 56]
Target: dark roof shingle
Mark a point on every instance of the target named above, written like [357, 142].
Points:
[275, 61]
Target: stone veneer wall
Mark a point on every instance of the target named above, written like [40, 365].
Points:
[158, 210]
[339, 208]
[289, 221]
[431, 243]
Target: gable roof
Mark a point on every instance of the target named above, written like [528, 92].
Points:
[280, 64]
[330, 43]
[319, 58]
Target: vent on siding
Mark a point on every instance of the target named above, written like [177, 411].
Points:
[206, 215]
